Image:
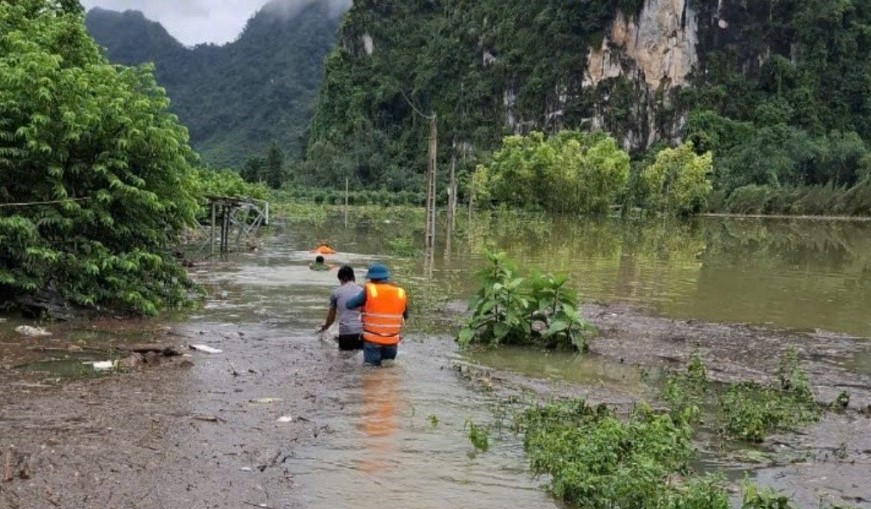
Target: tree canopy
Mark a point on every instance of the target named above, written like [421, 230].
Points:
[96, 140]
[569, 172]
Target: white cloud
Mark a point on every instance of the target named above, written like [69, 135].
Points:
[191, 21]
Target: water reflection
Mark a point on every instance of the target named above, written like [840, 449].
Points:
[379, 418]
[584, 370]
[791, 273]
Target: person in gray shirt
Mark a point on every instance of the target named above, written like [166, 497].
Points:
[350, 327]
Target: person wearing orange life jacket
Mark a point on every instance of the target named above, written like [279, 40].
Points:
[383, 312]
[323, 248]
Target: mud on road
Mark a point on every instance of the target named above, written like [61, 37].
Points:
[206, 431]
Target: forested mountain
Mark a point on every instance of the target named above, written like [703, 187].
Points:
[236, 98]
[779, 90]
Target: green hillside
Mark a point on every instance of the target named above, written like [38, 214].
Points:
[779, 90]
[236, 98]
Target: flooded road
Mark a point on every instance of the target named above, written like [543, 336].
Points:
[398, 435]
[282, 419]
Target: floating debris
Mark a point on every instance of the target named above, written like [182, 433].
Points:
[266, 401]
[34, 332]
[205, 349]
[103, 365]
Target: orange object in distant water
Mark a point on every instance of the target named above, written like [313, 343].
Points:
[324, 249]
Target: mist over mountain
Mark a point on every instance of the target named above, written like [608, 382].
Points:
[237, 98]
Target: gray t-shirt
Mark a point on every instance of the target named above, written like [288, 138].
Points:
[349, 319]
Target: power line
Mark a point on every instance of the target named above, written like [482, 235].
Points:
[51, 202]
[413, 107]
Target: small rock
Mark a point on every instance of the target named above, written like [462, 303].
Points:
[184, 363]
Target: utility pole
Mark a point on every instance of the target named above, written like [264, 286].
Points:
[431, 183]
[452, 190]
[346, 201]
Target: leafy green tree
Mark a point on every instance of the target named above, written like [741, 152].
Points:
[274, 173]
[227, 182]
[97, 141]
[254, 170]
[677, 181]
[570, 172]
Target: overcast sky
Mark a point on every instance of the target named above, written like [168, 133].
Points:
[191, 21]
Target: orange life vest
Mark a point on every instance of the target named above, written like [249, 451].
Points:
[324, 249]
[382, 313]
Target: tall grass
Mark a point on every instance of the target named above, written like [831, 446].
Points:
[827, 200]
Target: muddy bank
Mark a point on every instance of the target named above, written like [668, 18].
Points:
[732, 352]
[278, 418]
[825, 462]
[201, 433]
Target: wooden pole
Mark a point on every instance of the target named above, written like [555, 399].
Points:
[431, 182]
[452, 192]
[225, 229]
[212, 232]
[347, 191]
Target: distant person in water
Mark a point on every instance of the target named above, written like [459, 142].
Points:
[350, 326]
[323, 248]
[319, 264]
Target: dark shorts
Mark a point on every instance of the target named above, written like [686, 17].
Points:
[373, 354]
[350, 342]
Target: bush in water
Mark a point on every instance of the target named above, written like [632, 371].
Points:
[509, 309]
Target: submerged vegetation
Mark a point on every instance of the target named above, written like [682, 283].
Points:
[746, 410]
[536, 310]
[597, 460]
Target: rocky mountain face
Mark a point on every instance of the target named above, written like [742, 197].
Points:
[638, 69]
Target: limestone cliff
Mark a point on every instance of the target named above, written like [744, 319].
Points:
[636, 68]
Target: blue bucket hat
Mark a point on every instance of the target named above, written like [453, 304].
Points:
[377, 271]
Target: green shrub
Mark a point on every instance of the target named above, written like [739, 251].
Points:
[596, 460]
[677, 182]
[749, 199]
[509, 309]
[746, 410]
[569, 172]
[97, 140]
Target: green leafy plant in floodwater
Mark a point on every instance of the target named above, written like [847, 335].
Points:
[688, 391]
[433, 420]
[597, 460]
[755, 498]
[751, 411]
[510, 309]
[842, 401]
[745, 410]
[479, 436]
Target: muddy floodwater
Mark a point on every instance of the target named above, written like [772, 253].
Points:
[279, 418]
